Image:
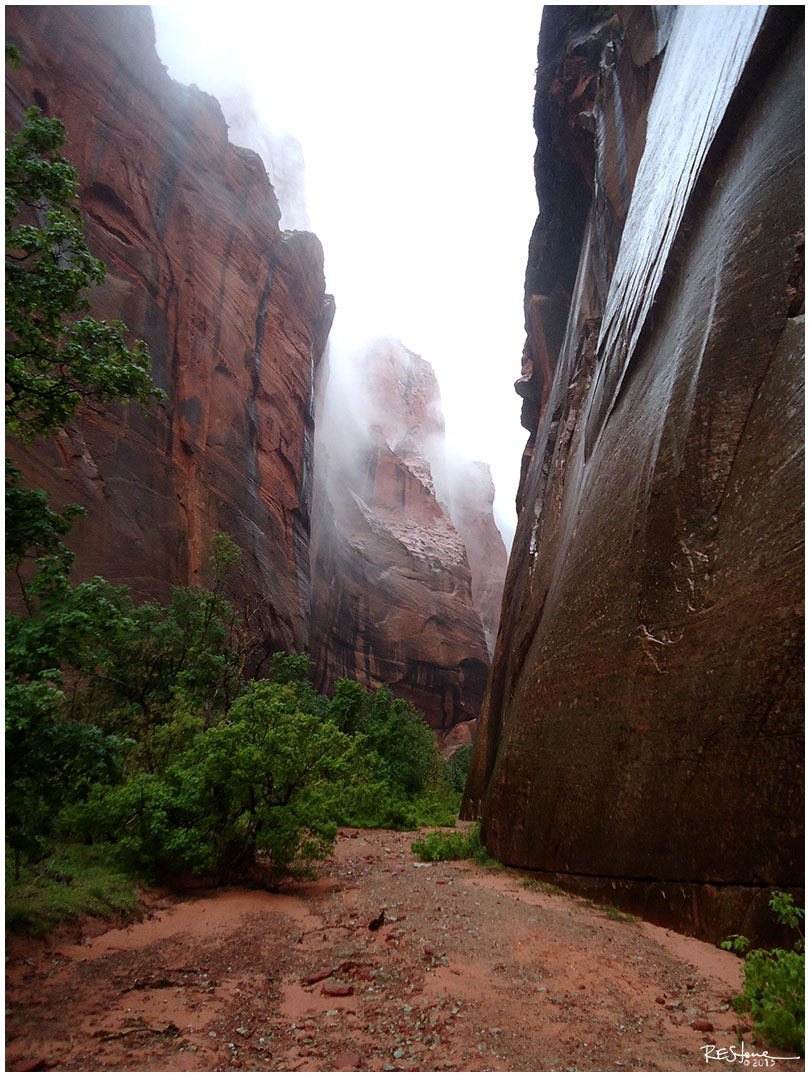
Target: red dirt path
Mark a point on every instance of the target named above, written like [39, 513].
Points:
[470, 970]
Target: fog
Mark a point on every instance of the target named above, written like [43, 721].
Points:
[402, 136]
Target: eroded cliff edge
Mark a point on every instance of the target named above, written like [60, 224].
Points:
[233, 308]
[642, 732]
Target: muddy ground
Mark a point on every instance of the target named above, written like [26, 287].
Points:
[468, 969]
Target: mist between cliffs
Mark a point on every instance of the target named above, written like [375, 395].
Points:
[407, 562]
[366, 119]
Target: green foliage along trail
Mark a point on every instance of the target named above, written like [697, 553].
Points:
[773, 988]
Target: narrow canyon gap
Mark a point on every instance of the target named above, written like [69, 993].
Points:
[641, 732]
[642, 735]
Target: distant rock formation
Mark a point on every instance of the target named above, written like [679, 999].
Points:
[393, 600]
[642, 733]
[470, 497]
[233, 309]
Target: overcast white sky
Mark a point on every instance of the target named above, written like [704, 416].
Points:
[415, 120]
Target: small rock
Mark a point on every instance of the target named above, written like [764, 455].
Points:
[243, 1031]
[703, 1026]
[336, 988]
[400, 1051]
[316, 977]
[660, 999]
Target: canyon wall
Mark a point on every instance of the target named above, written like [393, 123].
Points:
[235, 314]
[232, 307]
[393, 599]
[642, 736]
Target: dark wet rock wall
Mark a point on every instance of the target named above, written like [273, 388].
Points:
[644, 716]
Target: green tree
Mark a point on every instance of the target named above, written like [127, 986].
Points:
[260, 789]
[349, 703]
[58, 358]
[55, 361]
[404, 744]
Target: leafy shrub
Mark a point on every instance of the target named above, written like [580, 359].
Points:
[773, 988]
[460, 845]
[458, 766]
[405, 747]
[72, 881]
[94, 682]
[613, 912]
[263, 786]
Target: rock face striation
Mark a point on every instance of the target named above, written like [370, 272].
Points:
[233, 309]
[642, 732]
[236, 317]
[393, 599]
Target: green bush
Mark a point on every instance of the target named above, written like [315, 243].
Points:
[262, 788]
[460, 845]
[773, 987]
[458, 766]
[404, 745]
[400, 780]
[71, 882]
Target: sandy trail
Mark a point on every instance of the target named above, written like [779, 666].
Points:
[470, 970]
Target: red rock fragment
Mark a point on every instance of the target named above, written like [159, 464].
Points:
[703, 1026]
[336, 988]
[316, 977]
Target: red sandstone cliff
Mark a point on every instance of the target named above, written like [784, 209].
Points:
[392, 589]
[233, 310]
[643, 725]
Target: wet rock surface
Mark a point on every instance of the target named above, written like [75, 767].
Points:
[644, 715]
[233, 309]
[471, 970]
